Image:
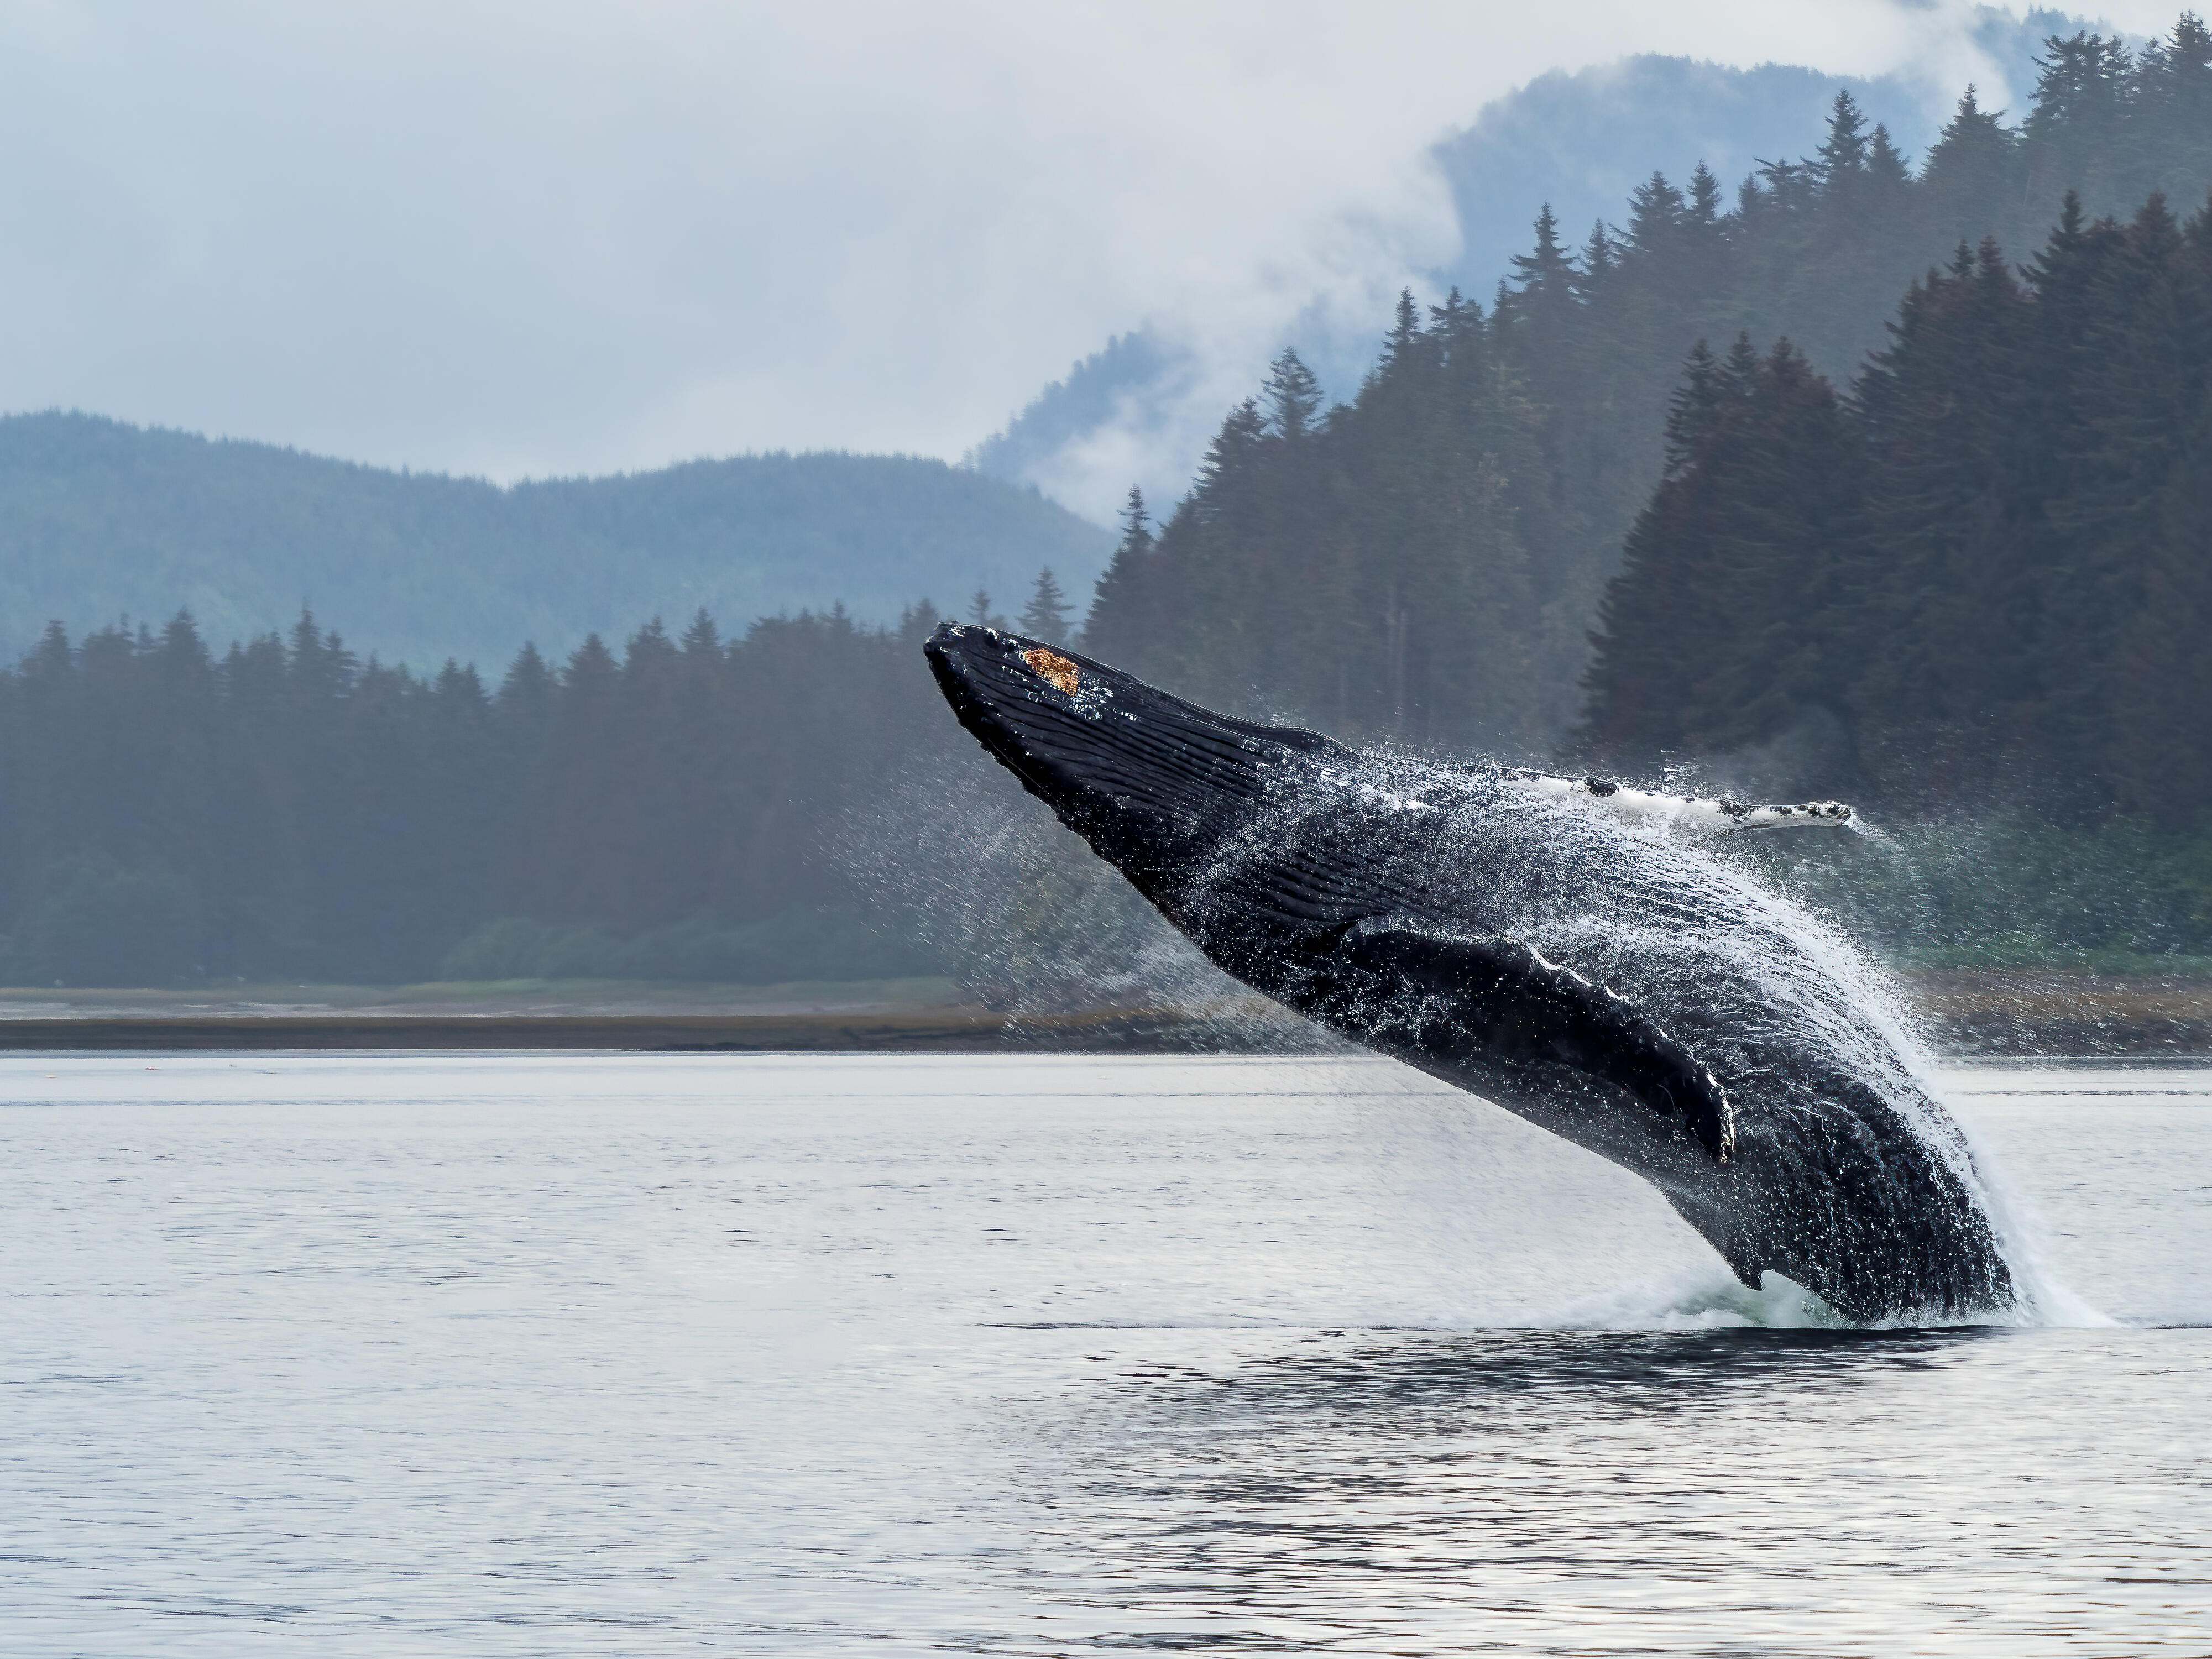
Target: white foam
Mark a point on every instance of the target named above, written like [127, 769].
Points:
[1687, 815]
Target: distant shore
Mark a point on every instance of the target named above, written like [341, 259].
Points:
[1966, 1012]
[2024, 1012]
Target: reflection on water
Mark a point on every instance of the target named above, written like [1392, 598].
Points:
[529, 1355]
[1797, 1493]
[1468, 1378]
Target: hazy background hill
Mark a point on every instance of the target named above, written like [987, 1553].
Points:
[99, 519]
[1580, 142]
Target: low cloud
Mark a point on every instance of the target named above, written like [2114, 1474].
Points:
[580, 237]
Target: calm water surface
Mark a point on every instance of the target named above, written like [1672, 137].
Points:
[507, 1355]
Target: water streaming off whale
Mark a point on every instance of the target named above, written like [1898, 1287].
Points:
[1607, 982]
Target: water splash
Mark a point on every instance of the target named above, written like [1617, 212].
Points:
[1714, 1299]
[1873, 1004]
[1778, 1003]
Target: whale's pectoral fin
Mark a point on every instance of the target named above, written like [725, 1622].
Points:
[1683, 815]
[1503, 998]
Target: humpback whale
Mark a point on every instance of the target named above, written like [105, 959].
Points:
[1576, 960]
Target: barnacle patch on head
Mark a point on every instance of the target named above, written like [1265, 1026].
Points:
[1053, 669]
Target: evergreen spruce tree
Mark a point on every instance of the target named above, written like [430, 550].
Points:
[1293, 398]
[2174, 114]
[2161, 742]
[1704, 245]
[1844, 155]
[1543, 311]
[1119, 616]
[1599, 258]
[1045, 616]
[702, 640]
[1656, 214]
[1940, 663]
[1975, 169]
[1546, 271]
[1889, 178]
[1693, 412]
[2075, 138]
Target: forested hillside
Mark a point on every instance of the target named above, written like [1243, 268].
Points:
[282, 810]
[1425, 563]
[1580, 141]
[1991, 563]
[99, 520]
[1583, 140]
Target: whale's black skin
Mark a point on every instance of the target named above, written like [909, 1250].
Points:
[1620, 991]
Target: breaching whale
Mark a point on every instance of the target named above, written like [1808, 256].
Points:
[1505, 932]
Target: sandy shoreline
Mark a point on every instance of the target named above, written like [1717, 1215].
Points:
[1964, 1012]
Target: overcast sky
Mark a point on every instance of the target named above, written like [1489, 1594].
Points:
[573, 236]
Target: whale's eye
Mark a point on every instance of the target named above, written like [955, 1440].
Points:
[1052, 668]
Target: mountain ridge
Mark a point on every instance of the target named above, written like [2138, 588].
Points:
[1577, 140]
[101, 519]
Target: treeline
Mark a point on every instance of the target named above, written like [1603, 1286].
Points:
[1425, 563]
[286, 811]
[1992, 562]
[1368, 568]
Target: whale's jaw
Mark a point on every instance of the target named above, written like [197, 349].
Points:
[1150, 780]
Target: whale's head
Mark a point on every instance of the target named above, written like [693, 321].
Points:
[1149, 779]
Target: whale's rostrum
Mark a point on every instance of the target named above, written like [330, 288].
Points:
[1588, 971]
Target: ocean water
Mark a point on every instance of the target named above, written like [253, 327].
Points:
[538, 1354]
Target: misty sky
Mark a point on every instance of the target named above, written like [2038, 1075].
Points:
[574, 236]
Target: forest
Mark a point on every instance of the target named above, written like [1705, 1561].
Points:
[1815, 489]
[1425, 563]
[288, 811]
[1989, 563]
[1580, 140]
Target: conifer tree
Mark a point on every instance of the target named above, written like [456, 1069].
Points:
[1693, 412]
[1888, 175]
[2162, 759]
[1118, 623]
[1543, 309]
[1703, 207]
[1846, 153]
[2170, 115]
[2073, 136]
[1599, 258]
[1293, 396]
[1975, 163]
[1045, 616]
[702, 640]
[1546, 271]
[1656, 212]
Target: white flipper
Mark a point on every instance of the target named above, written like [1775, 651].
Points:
[1683, 815]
